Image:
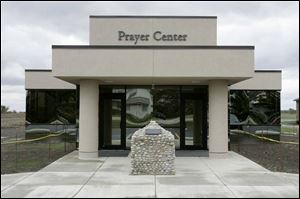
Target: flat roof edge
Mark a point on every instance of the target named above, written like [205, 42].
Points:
[148, 47]
[268, 71]
[152, 16]
[38, 70]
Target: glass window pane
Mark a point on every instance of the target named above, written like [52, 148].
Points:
[112, 120]
[166, 109]
[51, 107]
[193, 122]
[139, 107]
[254, 107]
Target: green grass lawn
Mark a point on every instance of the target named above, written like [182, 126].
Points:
[289, 130]
[288, 118]
[288, 121]
[32, 156]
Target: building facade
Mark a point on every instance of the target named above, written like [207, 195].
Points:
[142, 68]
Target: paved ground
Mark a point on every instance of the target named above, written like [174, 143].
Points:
[234, 176]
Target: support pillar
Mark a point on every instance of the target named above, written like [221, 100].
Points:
[218, 118]
[88, 119]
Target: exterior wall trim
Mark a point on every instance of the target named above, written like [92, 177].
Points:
[148, 47]
[268, 71]
[153, 16]
[38, 70]
[234, 89]
[47, 89]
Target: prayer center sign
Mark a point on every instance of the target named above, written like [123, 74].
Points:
[157, 36]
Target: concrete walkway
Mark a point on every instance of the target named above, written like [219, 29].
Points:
[235, 176]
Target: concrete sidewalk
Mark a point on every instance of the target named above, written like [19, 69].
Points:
[235, 176]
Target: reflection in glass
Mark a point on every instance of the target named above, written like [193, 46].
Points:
[176, 133]
[166, 109]
[160, 104]
[193, 122]
[40, 130]
[112, 120]
[138, 107]
[51, 106]
[194, 89]
[112, 89]
[268, 131]
[254, 107]
[255, 111]
[129, 133]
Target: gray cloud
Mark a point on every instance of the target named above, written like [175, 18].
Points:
[28, 29]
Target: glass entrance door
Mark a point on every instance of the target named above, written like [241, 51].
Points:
[193, 122]
[112, 121]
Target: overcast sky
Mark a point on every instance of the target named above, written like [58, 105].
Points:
[28, 29]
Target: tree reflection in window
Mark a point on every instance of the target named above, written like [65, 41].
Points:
[253, 107]
[166, 109]
[51, 107]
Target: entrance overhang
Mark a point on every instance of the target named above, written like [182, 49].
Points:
[180, 65]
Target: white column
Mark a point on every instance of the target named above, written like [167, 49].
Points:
[218, 118]
[88, 119]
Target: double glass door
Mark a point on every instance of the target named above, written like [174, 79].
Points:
[112, 117]
[190, 129]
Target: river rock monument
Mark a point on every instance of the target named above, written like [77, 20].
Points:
[152, 151]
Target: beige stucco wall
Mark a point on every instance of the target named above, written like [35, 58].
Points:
[218, 118]
[88, 119]
[199, 31]
[261, 81]
[200, 63]
[204, 62]
[45, 80]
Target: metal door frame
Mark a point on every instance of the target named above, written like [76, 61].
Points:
[122, 97]
[193, 96]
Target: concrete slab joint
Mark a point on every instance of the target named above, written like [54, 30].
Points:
[196, 177]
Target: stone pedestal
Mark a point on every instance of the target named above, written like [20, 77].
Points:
[152, 151]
